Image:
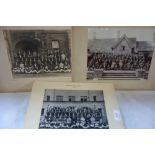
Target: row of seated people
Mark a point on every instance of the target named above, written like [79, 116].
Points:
[41, 63]
[109, 61]
[73, 117]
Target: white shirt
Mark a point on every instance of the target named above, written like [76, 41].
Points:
[63, 56]
[61, 65]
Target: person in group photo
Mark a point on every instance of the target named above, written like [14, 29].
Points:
[73, 117]
[30, 62]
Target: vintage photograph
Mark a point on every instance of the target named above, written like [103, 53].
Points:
[73, 109]
[119, 53]
[38, 52]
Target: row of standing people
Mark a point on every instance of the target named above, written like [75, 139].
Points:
[44, 62]
[109, 61]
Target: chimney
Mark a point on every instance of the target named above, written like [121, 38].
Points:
[118, 34]
[94, 35]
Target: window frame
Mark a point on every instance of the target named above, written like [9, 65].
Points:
[59, 98]
[57, 43]
[84, 98]
[48, 98]
[71, 97]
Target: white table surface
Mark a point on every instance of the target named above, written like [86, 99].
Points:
[137, 109]
[13, 108]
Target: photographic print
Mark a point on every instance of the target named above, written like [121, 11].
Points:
[71, 105]
[119, 53]
[38, 52]
[73, 109]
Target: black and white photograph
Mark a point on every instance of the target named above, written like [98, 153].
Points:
[35, 53]
[73, 109]
[119, 53]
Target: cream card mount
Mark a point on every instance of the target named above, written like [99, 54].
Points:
[67, 105]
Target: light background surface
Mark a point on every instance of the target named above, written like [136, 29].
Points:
[77, 13]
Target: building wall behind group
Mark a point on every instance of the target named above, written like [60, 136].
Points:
[76, 93]
[127, 49]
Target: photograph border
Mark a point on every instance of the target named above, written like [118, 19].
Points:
[53, 29]
[36, 101]
[120, 44]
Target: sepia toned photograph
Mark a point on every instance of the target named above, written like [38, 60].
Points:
[73, 109]
[36, 53]
[119, 53]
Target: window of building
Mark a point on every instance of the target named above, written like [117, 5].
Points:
[133, 50]
[94, 97]
[59, 98]
[83, 98]
[55, 44]
[48, 98]
[71, 98]
[42, 111]
[123, 47]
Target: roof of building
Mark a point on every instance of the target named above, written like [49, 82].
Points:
[103, 45]
[108, 44]
[130, 41]
[144, 46]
